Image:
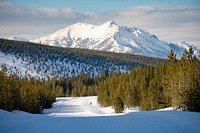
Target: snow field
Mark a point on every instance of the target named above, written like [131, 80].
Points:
[80, 107]
[70, 115]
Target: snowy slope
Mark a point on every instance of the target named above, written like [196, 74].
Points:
[60, 67]
[112, 37]
[137, 122]
[19, 66]
[17, 39]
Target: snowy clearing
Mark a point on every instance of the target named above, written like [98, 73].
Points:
[80, 107]
[71, 115]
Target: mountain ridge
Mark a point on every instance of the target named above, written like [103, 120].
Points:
[114, 38]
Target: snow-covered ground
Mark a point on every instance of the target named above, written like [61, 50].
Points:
[80, 107]
[73, 112]
[77, 107]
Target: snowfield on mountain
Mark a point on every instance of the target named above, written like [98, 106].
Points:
[112, 37]
[83, 114]
[17, 39]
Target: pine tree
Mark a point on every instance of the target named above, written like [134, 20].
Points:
[118, 105]
[59, 91]
[169, 81]
[67, 94]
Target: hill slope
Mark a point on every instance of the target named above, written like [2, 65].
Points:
[112, 37]
[35, 60]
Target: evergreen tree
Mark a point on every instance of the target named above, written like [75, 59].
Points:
[67, 94]
[118, 105]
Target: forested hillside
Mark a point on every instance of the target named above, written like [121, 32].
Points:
[34, 60]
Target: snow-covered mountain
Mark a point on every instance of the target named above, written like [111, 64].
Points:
[112, 37]
[17, 39]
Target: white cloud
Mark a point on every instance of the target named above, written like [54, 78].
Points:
[170, 23]
[21, 20]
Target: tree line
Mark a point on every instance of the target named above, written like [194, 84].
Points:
[23, 94]
[176, 84]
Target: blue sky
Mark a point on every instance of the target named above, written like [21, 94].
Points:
[103, 5]
[169, 20]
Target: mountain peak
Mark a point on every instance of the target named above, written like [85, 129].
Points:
[110, 23]
[111, 37]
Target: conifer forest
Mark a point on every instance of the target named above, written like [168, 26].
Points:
[175, 83]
